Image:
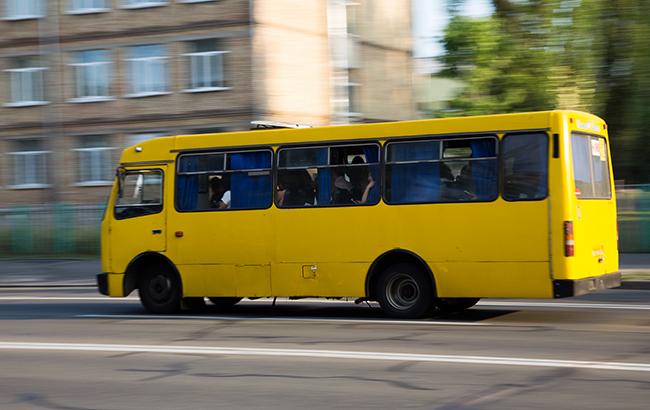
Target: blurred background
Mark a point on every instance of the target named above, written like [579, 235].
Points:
[81, 80]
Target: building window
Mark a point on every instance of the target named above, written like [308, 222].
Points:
[147, 70]
[24, 9]
[29, 164]
[137, 4]
[27, 78]
[95, 160]
[205, 65]
[91, 75]
[87, 6]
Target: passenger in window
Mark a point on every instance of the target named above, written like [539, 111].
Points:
[361, 180]
[342, 194]
[220, 197]
[295, 188]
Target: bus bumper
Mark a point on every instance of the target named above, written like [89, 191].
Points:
[563, 288]
[111, 284]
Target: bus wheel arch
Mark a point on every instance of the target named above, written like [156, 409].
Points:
[151, 266]
[392, 258]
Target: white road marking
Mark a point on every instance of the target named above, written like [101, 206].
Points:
[329, 354]
[268, 301]
[289, 319]
[572, 305]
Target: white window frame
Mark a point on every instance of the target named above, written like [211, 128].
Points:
[40, 12]
[127, 4]
[18, 83]
[96, 157]
[205, 56]
[71, 9]
[145, 90]
[96, 66]
[27, 171]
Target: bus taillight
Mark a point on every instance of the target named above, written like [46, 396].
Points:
[568, 239]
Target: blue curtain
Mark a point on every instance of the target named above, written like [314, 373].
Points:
[324, 179]
[419, 182]
[484, 173]
[372, 156]
[250, 191]
[187, 186]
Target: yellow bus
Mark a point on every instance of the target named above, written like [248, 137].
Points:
[422, 216]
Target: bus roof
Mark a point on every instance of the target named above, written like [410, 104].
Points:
[165, 148]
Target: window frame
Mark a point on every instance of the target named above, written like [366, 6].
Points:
[502, 165]
[87, 10]
[77, 67]
[93, 182]
[206, 54]
[161, 205]
[126, 4]
[36, 185]
[17, 74]
[130, 60]
[354, 143]
[441, 138]
[225, 151]
[42, 11]
[591, 167]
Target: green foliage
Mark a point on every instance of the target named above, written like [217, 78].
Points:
[589, 55]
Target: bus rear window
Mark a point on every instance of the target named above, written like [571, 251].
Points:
[590, 167]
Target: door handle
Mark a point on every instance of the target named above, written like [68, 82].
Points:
[156, 231]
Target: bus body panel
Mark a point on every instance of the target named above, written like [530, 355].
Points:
[487, 249]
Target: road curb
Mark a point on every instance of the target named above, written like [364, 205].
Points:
[47, 285]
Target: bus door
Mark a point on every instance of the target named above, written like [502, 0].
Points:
[138, 219]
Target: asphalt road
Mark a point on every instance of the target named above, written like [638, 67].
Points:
[74, 349]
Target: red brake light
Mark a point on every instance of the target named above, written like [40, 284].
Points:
[568, 239]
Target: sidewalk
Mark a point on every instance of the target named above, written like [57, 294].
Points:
[81, 272]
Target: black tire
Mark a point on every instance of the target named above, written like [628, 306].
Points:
[405, 291]
[224, 302]
[455, 305]
[160, 289]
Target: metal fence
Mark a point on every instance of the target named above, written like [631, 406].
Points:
[57, 229]
[65, 230]
[633, 202]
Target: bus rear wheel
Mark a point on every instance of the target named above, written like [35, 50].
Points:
[455, 305]
[405, 291]
[224, 302]
[159, 289]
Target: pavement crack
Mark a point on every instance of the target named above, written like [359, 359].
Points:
[395, 383]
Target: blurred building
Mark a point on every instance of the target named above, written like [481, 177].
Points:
[82, 79]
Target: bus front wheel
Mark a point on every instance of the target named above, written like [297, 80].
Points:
[405, 291]
[160, 290]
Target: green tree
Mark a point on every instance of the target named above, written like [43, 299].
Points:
[570, 54]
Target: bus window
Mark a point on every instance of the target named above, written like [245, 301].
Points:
[321, 176]
[525, 166]
[226, 180]
[454, 170]
[140, 194]
[590, 167]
